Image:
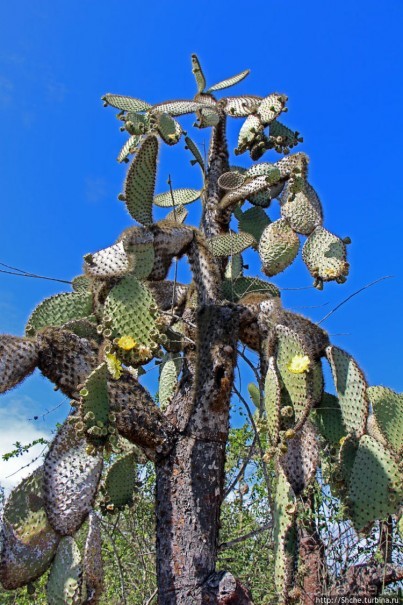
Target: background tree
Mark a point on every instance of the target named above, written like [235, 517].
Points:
[94, 342]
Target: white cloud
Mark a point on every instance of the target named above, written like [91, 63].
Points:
[15, 426]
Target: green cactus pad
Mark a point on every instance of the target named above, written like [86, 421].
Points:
[263, 169]
[387, 406]
[265, 197]
[229, 81]
[300, 462]
[143, 258]
[136, 123]
[119, 484]
[18, 358]
[240, 107]
[71, 478]
[351, 389]
[109, 262]
[325, 255]
[169, 372]
[235, 289]
[198, 73]
[282, 137]
[231, 243]
[254, 394]
[178, 197]
[347, 454]
[57, 310]
[249, 133]
[195, 151]
[81, 283]
[234, 267]
[176, 108]
[375, 486]
[231, 180]
[249, 188]
[207, 116]
[84, 328]
[284, 512]
[125, 103]
[278, 247]
[304, 386]
[302, 209]
[65, 582]
[177, 215]
[272, 401]
[129, 305]
[128, 148]
[93, 566]
[140, 181]
[29, 542]
[271, 107]
[169, 129]
[328, 419]
[254, 221]
[292, 165]
[94, 405]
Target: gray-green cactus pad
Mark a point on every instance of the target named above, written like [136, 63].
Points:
[93, 565]
[109, 262]
[65, 582]
[375, 486]
[328, 419]
[169, 371]
[351, 389]
[235, 289]
[229, 81]
[302, 209]
[178, 197]
[231, 243]
[272, 401]
[140, 181]
[284, 511]
[240, 107]
[325, 255]
[253, 221]
[18, 358]
[119, 483]
[58, 310]
[278, 247]
[71, 478]
[388, 410]
[168, 128]
[125, 103]
[94, 406]
[300, 462]
[29, 541]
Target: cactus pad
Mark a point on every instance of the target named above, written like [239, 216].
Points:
[235, 289]
[254, 221]
[128, 148]
[207, 116]
[325, 255]
[388, 410]
[140, 181]
[29, 541]
[375, 486]
[229, 81]
[302, 209]
[169, 372]
[271, 107]
[130, 307]
[282, 137]
[178, 197]
[272, 401]
[168, 128]
[195, 151]
[177, 215]
[351, 388]
[109, 262]
[278, 247]
[231, 180]
[71, 478]
[301, 459]
[234, 267]
[329, 420]
[119, 484]
[198, 74]
[81, 283]
[65, 582]
[240, 107]
[94, 406]
[18, 358]
[125, 103]
[230, 243]
[59, 309]
[284, 512]
[249, 133]
[249, 188]
[93, 566]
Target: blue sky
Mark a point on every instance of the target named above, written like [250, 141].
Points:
[340, 65]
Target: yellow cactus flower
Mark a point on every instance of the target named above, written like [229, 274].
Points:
[342, 440]
[127, 343]
[114, 365]
[299, 364]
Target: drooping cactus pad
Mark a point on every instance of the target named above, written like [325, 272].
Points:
[325, 256]
[278, 247]
[57, 310]
[140, 181]
[18, 358]
[119, 484]
[388, 410]
[65, 582]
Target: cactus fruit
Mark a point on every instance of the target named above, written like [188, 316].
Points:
[240, 107]
[140, 181]
[302, 209]
[325, 255]
[278, 247]
[125, 103]
[92, 561]
[178, 197]
[253, 221]
[71, 478]
[119, 484]
[18, 359]
[284, 513]
[65, 581]
[230, 243]
[375, 485]
[59, 309]
[272, 401]
[229, 81]
[29, 541]
[351, 390]
[328, 419]
[387, 407]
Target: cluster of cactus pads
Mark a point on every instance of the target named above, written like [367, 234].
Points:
[93, 342]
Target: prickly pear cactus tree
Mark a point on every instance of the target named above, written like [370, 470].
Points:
[124, 312]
